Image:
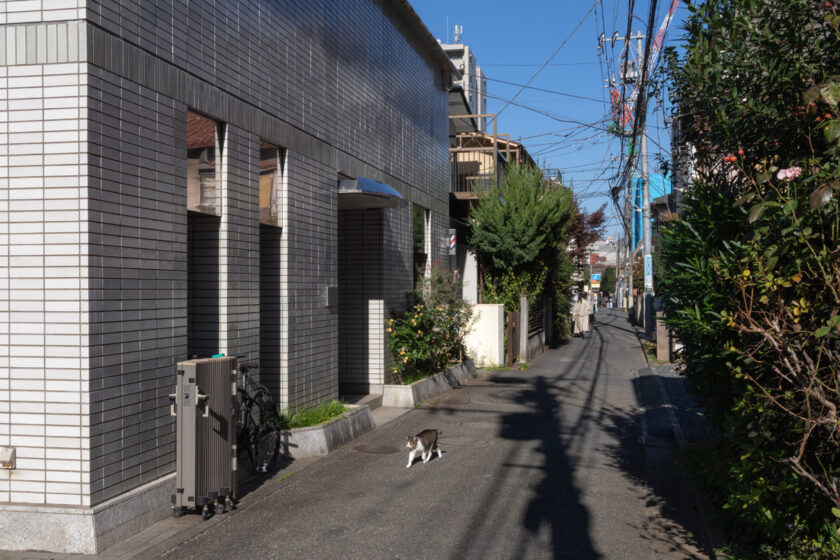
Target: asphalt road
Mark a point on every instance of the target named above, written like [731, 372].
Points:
[567, 460]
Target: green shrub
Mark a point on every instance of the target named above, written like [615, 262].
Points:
[429, 335]
[311, 416]
[508, 288]
[751, 271]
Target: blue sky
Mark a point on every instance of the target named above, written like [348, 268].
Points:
[512, 40]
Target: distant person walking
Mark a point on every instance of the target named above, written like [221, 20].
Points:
[580, 312]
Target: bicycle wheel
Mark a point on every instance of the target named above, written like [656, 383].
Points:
[247, 429]
[267, 444]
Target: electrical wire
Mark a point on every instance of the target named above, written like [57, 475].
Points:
[550, 115]
[583, 97]
[540, 69]
[530, 65]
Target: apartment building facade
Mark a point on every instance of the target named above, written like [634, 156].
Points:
[183, 179]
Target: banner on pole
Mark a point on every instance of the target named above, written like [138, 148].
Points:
[648, 273]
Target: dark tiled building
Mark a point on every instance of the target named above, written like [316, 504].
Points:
[170, 177]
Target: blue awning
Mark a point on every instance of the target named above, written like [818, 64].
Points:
[362, 193]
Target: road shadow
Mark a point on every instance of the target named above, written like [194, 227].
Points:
[562, 406]
[248, 480]
[646, 451]
[557, 501]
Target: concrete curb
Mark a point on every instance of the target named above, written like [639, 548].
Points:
[316, 441]
[713, 535]
[408, 396]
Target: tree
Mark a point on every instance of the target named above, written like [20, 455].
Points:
[515, 231]
[585, 229]
[518, 224]
[608, 281]
[752, 270]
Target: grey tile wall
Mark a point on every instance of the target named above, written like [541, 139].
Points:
[310, 264]
[361, 251]
[270, 300]
[398, 267]
[239, 239]
[439, 238]
[375, 279]
[137, 291]
[342, 71]
[203, 274]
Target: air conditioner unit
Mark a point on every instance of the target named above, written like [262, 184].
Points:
[204, 406]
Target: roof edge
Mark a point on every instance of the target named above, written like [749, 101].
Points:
[431, 46]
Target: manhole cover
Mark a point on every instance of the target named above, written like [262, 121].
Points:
[376, 449]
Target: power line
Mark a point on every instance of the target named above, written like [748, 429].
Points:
[547, 114]
[546, 90]
[531, 65]
[586, 15]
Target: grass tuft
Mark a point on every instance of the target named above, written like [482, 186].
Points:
[495, 368]
[312, 416]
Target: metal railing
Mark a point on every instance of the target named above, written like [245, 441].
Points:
[473, 172]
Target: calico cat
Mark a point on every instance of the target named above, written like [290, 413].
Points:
[424, 443]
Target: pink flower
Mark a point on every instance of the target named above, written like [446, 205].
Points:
[789, 173]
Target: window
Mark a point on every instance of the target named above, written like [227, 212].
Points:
[420, 226]
[202, 148]
[272, 160]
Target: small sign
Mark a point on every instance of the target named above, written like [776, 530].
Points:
[648, 273]
[451, 241]
[596, 280]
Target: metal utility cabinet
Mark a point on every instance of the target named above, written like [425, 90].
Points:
[204, 405]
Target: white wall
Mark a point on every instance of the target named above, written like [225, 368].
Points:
[486, 340]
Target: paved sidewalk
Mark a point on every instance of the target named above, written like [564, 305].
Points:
[573, 458]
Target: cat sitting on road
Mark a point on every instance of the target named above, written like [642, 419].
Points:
[424, 443]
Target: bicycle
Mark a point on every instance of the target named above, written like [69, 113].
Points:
[259, 423]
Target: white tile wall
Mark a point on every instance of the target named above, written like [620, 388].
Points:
[41, 290]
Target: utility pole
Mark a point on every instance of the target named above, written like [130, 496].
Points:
[631, 74]
[647, 244]
[640, 89]
[617, 273]
[630, 254]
